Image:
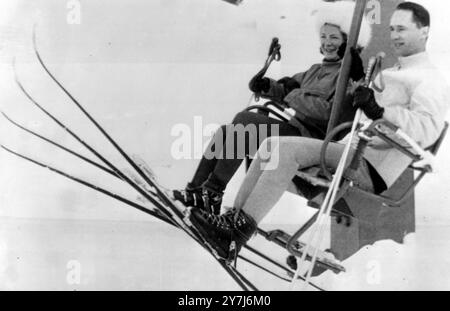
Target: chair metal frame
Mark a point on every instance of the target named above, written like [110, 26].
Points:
[377, 128]
[384, 200]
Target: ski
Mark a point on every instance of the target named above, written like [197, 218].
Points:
[287, 270]
[145, 183]
[154, 213]
[324, 260]
[239, 278]
[133, 177]
[168, 208]
[48, 140]
[81, 141]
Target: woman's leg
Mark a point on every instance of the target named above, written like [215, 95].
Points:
[267, 179]
[208, 163]
[194, 195]
[224, 154]
[233, 152]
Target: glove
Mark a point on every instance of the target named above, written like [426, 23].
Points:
[289, 84]
[259, 84]
[275, 47]
[356, 68]
[364, 98]
[341, 50]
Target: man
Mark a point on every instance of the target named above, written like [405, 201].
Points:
[309, 96]
[415, 98]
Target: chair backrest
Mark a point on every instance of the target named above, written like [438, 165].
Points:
[409, 190]
[385, 197]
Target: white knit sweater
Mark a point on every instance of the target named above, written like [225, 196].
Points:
[416, 98]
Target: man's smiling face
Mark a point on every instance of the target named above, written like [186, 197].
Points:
[407, 37]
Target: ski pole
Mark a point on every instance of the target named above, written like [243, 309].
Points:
[274, 54]
[328, 202]
[171, 212]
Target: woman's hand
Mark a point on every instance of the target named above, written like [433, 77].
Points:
[289, 84]
[259, 84]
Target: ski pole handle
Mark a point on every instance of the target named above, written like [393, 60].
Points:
[369, 71]
[374, 61]
[273, 54]
[275, 49]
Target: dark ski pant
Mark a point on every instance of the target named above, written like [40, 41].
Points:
[214, 173]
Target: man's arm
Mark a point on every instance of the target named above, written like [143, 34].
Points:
[424, 118]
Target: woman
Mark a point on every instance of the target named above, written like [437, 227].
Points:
[309, 95]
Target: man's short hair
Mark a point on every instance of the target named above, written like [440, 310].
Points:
[421, 16]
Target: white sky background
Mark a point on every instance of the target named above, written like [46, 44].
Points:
[141, 67]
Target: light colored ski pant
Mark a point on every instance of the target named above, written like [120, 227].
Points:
[276, 164]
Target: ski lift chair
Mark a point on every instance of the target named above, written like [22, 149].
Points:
[359, 217]
[269, 108]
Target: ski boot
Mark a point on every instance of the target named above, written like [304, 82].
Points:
[189, 197]
[226, 233]
[212, 201]
[203, 199]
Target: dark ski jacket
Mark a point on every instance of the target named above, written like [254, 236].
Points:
[314, 99]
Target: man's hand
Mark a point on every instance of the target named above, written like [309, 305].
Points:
[356, 68]
[364, 98]
[289, 84]
[259, 84]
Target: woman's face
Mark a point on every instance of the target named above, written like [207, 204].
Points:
[330, 40]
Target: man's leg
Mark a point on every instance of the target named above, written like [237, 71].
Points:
[264, 184]
[268, 179]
